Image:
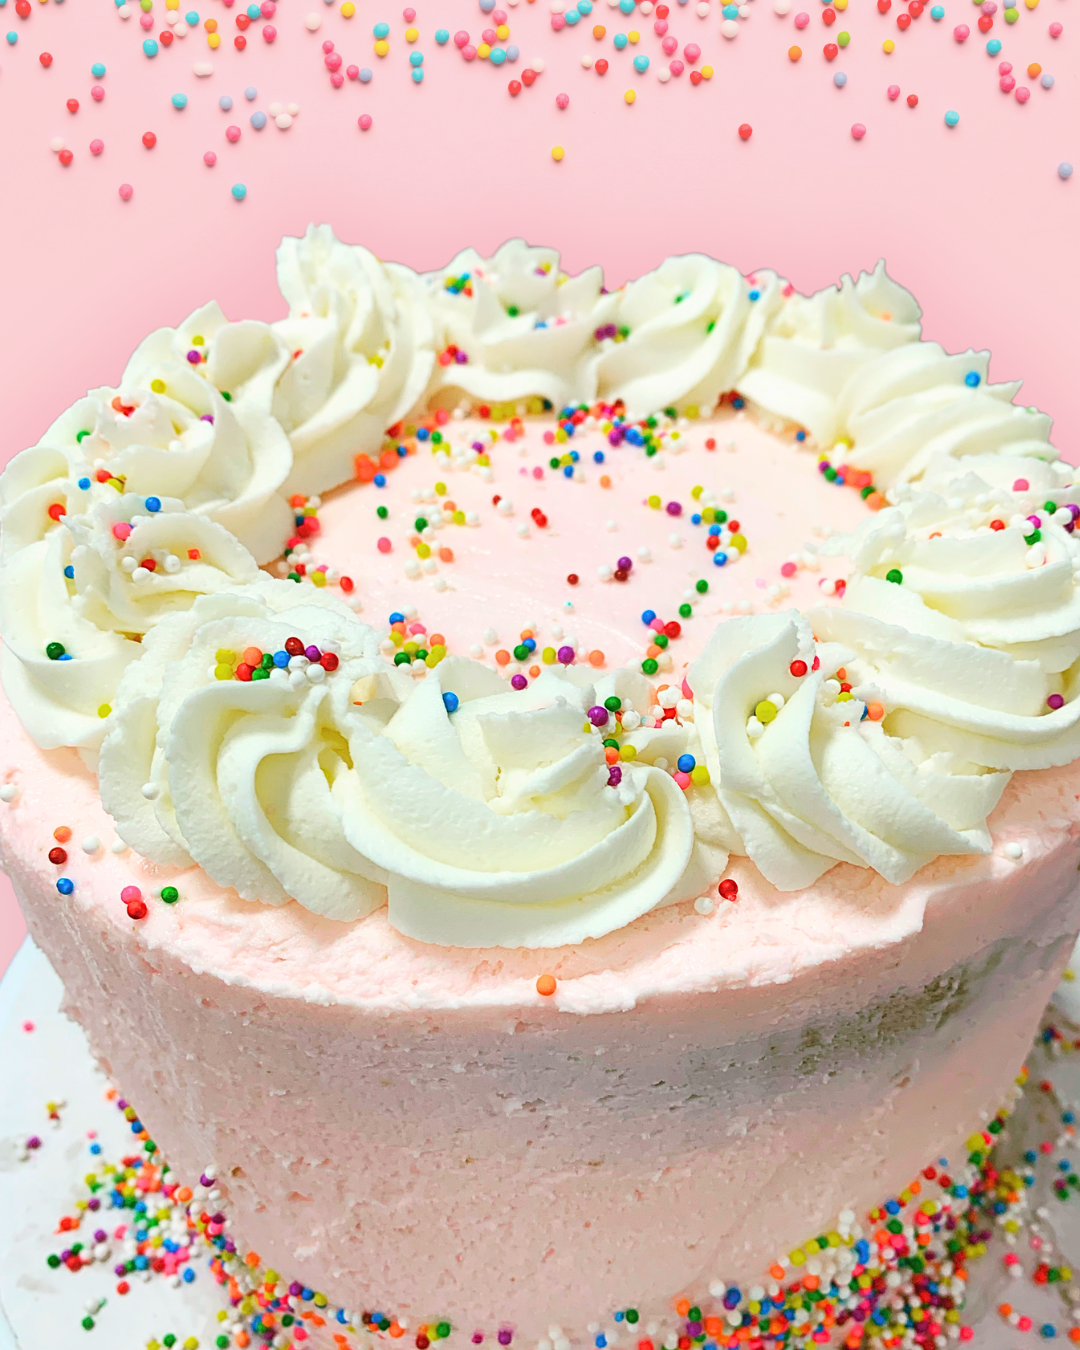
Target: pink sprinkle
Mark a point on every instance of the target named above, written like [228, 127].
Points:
[125, 191]
[538, 472]
[657, 625]
[384, 544]
[353, 72]
[28, 1026]
[415, 628]
[858, 131]
[691, 51]
[676, 67]
[1021, 485]
[1007, 83]
[660, 27]
[121, 530]
[468, 52]
[670, 46]
[209, 158]
[894, 91]
[96, 147]
[988, 7]
[364, 121]
[232, 133]
[801, 19]
[147, 21]
[408, 14]
[549, 438]
[461, 38]
[490, 36]
[268, 9]
[332, 61]
[1004, 67]
[558, 22]
[337, 79]
[328, 46]
[269, 32]
[787, 569]
[1023, 94]
[683, 779]
[562, 100]
[130, 893]
[961, 32]
[98, 93]
[1056, 29]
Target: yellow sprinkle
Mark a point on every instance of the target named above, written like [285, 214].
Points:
[483, 461]
[412, 648]
[561, 436]
[765, 712]
[431, 660]
[382, 47]
[654, 502]
[483, 51]
[627, 752]
[459, 517]
[104, 709]
[158, 386]
[191, 1343]
[213, 40]
[548, 656]
[395, 637]
[630, 96]
[117, 483]
[502, 32]
[348, 9]
[423, 550]
[198, 340]
[440, 488]
[438, 651]
[888, 46]
[739, 541]
[318, 578]
[319, 1300]
[844, 696]
[696, 492]
[634, 35]
[706, 72]
[699, 775]
[224, 657]
[223, 672]
[411, 34]
[557, 153]
[797, 1258]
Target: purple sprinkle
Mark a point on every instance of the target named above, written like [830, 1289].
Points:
[566, 656]
[477, 1337]
[823, 465]
[206, 417]
[598, 715]
[296, 1289]
[100, 1235]
[65, 1254]
[518, 681]
[1073, 510]
[93, 1204]
[505, 1336]
[614, 777]
[615, 436]
[1055, 701]
[204, 1180]
[218, 1218]
[624, 564]
[674, 508]
[462, 358]
[121, 1269]
[693, 1328]
[121, 1105]
[312, 653]
[194, 357]
[1034, 520]
[33, 1142]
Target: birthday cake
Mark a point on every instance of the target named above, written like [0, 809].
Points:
[546, 798]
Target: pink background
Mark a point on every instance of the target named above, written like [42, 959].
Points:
[975, 220]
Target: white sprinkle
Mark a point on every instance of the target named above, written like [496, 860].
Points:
[200, 68]
[150, 791]
[604, 572]
[283, 121]
[315, 673]
[118, 847]
[141, 574]
[91, 844]
[703, 905]
[8, 792]
[586, 62]
[537, 64]
[293, 109]
[1013, 851]
[297, 680]
[490, 637]
[313, 22]
[56, 144]
[675, 540]
[505, 507]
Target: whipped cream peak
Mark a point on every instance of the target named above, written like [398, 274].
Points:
[359, 340]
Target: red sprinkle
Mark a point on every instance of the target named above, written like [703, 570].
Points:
[729, 890]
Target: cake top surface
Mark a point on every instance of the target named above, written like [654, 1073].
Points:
[537, 674]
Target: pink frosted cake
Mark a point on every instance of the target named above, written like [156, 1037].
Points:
[628, 824]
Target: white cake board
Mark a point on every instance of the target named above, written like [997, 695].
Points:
[41, 1309]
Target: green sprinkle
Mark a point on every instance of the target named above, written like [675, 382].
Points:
[443, 1330]
[631, 1315]
[88, 1323]
[402, 659]
[521, 652]
[80, 436]
[226, 397]
[381, 512]
[513, 311]
[1032, 538]
[55, 650]
[649, 666]
[613, 704]
[294, 576]
[685, 610]
[842, 39]
[1049, 507]
[420, 524]
[701, 586]
[895, 575]
[169, 894]
[53, 1261]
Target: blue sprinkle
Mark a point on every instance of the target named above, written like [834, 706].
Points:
[1047, 1331]
[951, 118]
[575, 455]
[1065, 169]
[685, 763]
[442, 36]
[95, 1149]
[179, 100]
[365, 76]
[250, 93]
[66, 657]
[585, 6]
[97, 70]
[416, 58]
[719, 558]
[396, 617]
[153, 504]
[307, 1295]
[69, 572]
[84, 483]
[381, 30]
[487, 5]
[512, 53]
[531, 644]
[239, 191]
[254, 12]
[379, 480]
[648, 616]
[497, 56]
[568, 471]
[620, 40]
[65, 885]
[937, 12]
[627, 6]
[641, 63]
[800, 435]
[839, 79]
[281, 659]
[225, 102]
[150, 47]
[892, 1207]
[572, 16]
[450, 702]
[973, 379]
[258, 120]
[731, 11]
[754, 295]
[993, 47]
[598, 456]
[1067, 1117]
[695, 519]
[600, 1341]
[619, 1316]
[191, 18]
[189, 1274]
[1047, 81]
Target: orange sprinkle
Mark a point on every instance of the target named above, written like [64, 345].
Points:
[611, 755]
[545, 985]
[446, 554]
[605, 481]
[1034, 69]
[810, 1281]
[243, 1339]
[794, 53]
[1005, 1309]
[875, 712]
[777, 1272]
[437, 640]
[653, 650]
[875, 501]
[526, 633]
[61, 834]
[841, 673]
[682, 1307]
[597, 658]
[502, 657]
[713, 1326]
[252, 656]
[365, 468]
[388, 459]
[534, 671]
[396, 1331]
[252, 1258]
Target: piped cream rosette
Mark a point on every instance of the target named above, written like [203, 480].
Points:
[74, 605]
[359, 340]
[807, 780]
